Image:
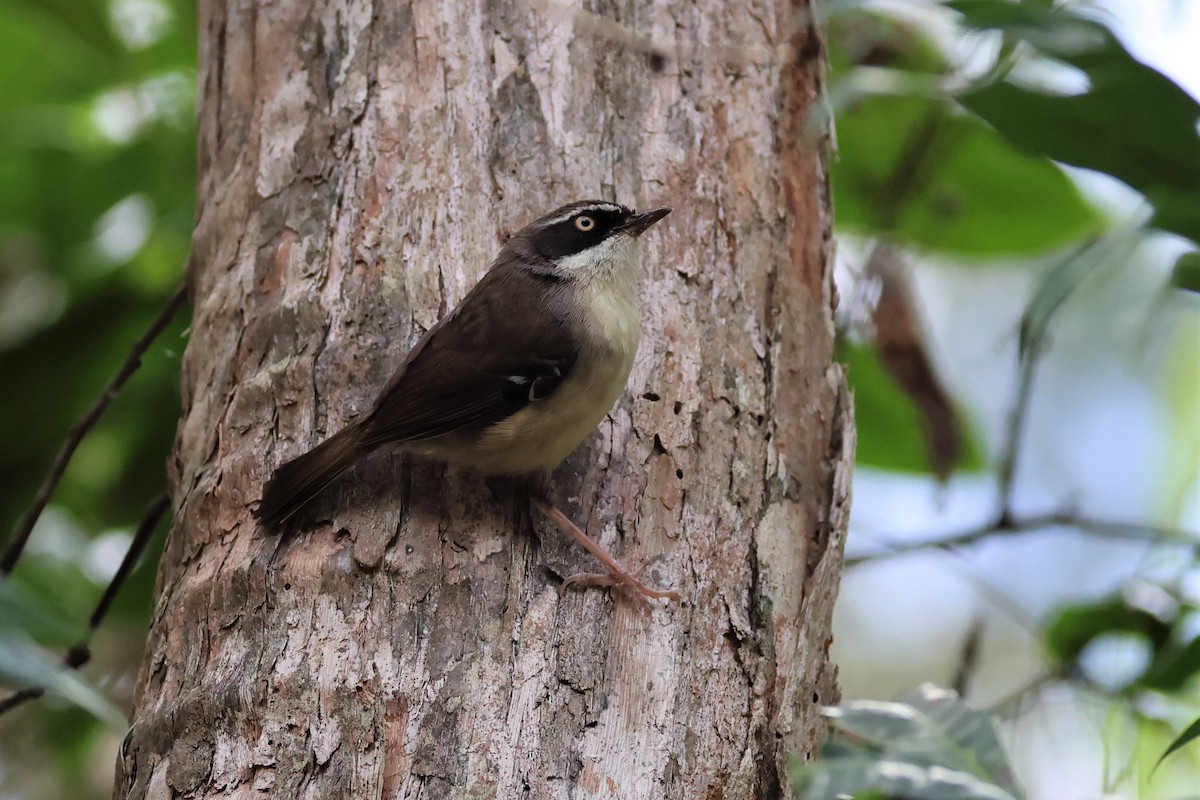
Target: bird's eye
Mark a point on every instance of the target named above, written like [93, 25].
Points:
[585, 223]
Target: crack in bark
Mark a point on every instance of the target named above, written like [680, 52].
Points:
[834, 458]
[317, 411]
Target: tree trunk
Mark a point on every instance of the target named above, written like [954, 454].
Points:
[360, 165]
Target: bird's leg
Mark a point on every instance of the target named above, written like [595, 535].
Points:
[617, 575]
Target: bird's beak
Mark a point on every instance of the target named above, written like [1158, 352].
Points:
[638, 223]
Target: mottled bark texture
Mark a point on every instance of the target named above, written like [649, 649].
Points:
[360, 164]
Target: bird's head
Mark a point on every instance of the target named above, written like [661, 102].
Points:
[586, 237]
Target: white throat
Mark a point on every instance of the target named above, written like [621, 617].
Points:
[620, 253]
[607, 277]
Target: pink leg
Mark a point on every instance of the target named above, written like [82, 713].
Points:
[617, 575]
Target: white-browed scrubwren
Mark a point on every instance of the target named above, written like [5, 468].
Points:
[514, 378]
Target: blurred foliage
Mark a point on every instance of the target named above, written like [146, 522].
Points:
[1186, 274]
[97, 187]
[1130, 122]
[944, 180]
[951, 163]
[959, 161]
[892, 410]
[928, 745]
[1169, 638]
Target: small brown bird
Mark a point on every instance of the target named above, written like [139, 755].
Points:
[514, 378]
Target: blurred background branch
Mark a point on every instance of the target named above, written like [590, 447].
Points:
[97, 187]
[1124, 531]
[16, 545]
[80, 653]
[1020, 287]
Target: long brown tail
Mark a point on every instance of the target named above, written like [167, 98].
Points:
[300, 480]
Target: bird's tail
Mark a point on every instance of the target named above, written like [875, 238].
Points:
[300, 480]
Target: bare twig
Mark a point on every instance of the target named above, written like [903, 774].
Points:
[154, 512]
[20, 698]
[1012, 700]
[1095, 256]
[1127, 531]
[968, 657]
[1004, 602]
[74, 658]
[80, 653]
[80, 429]
[1006, 469]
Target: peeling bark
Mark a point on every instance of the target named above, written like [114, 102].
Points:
[360, 164]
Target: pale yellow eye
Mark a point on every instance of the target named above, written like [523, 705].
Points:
[585, 223]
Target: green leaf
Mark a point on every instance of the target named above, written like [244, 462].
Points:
[1172, 668]
[889, 426]
[880, 40]
[67, 63]
[972, 731]
[1047, 27]
[23, 609]
[863, 776]
[928, 727]
[1189, 735]
[1175, 658]
[1097, 258]
[1186, 273]
[1133, 122]
[943, 180]
[929, 745]
[24, 664]
[1076, 626]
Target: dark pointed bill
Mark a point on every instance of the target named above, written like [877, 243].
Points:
[638, 223]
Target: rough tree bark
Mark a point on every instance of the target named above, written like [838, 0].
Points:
[360, 164]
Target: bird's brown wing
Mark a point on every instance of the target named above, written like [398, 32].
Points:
[502, 348]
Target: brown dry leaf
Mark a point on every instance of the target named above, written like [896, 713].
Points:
[901, 350]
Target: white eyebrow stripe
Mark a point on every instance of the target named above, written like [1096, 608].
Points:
[584, 209]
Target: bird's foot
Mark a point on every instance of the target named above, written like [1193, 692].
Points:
[617, 577]
[625, 581]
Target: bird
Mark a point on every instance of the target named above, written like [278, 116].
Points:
[513, 379]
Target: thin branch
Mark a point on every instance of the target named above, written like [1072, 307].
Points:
[1126, 531]
[74, 658]
[80, 429]
[1004, 602]
[1056, 288]
[20, 698]
[968, 657]
[1011, 701]
[154, 512]
[1007, 467]
[80, 653]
